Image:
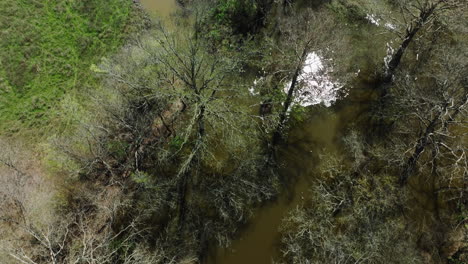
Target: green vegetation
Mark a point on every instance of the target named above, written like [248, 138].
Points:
[355, 201]
[46, 51]
[240, 17]
[126, 141]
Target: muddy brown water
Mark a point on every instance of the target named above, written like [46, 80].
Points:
[159, 8]
[258, 243]
[319, 133]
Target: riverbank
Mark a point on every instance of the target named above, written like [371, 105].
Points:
[253, 132]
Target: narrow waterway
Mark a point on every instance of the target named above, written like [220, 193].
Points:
[258, 243]
[319, 133]
[159, 8]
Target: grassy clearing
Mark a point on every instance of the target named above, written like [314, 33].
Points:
[46, 50]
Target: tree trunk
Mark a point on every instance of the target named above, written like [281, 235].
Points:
[182, 194]
[278, 134]
[411, 30]
[396, 58]
[183, 185]
[424, 140]
[420, 146]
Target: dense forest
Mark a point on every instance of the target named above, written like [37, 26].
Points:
[233, 131]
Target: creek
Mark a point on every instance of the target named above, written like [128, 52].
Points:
[319, 133]
[159, 8]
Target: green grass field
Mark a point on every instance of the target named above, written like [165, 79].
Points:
[46, 50]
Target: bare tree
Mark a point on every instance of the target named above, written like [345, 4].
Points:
[416, 15]
[26, 211]
[310, 33]
[173, 131]
[431, 109]
[353, 215]
[427, 145]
